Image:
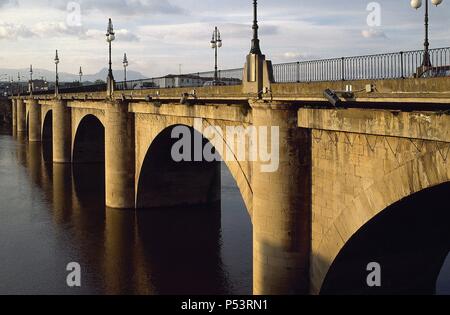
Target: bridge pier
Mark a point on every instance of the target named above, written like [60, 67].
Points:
[34, 112]
[14, 114]
[62, 137]
[119, 156]
[21, 116]
[282, 206]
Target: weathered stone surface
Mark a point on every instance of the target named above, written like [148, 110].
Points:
[364, 161]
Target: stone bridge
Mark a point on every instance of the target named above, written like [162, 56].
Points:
[347, 175]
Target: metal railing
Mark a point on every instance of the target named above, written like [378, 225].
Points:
[372, 67]
[88, 88]
[398, 65]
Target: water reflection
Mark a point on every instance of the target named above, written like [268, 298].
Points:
[162, 251]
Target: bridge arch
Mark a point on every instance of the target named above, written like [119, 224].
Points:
[88, 143]
[410, 241]
[409, 180]
[159, 149]
[47, 134]
[46, 111]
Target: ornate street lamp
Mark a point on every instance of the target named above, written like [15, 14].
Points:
[57, 75]
[31, 80]
[256, 49]
[80, 73]
[125, 65]
[216, 43]
[416, 4]
[110, 37]
[19, 89]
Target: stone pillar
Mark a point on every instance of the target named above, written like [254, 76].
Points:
[14, 114]
[257, 75]
[62, 129]
[34, 123]
[119, 156]
[282, 205]
[21, 116]
[110, 85]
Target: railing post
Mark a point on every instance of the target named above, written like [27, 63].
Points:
[298, 71]
[343, 68]
[402, 65]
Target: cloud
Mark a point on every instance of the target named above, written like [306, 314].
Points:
[14, 31]
[295, 56]
[373, 33]
[242, 30]
[121, 34]
[54, 29]
[8, 2]
[59, 29]
[124, 7]
[200, 32]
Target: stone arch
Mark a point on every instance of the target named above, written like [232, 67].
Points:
[241, 171]
[45, 112]
[88, 141]
[408, 241]
[47, 134]
[77, 116]
[413, 176]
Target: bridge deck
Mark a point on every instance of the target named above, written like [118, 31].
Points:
[428, 93]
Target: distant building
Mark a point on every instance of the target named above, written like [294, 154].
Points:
[38, 85]
[65, 85]
[176, 81]
[179, 81]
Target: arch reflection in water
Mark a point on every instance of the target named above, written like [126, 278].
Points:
[410, 240]
[157, 251]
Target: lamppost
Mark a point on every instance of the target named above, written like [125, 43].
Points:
[19, 82]
[57, 75]
[80, 73]
[416, 4]
[31, 79]
[12, 84]
[110, 37]
[256, 49]
[125, 65]
[216, 43]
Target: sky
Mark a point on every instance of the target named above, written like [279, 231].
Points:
[164, 36]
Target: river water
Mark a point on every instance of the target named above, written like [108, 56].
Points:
[52, 215]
